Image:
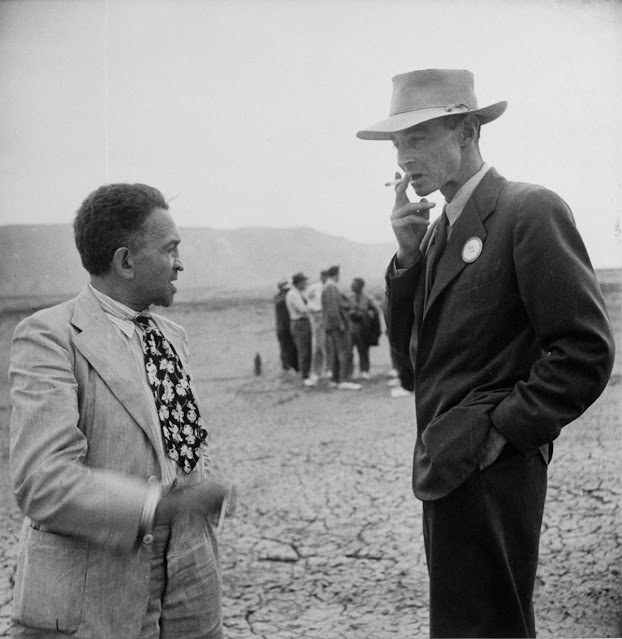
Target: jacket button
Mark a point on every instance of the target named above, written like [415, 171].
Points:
[152, 480]
[148, 539]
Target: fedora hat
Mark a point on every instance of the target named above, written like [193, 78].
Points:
[424, 95]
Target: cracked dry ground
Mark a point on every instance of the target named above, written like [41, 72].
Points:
[326, 540]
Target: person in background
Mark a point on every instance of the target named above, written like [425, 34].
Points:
[108, 447]
[499, 309]
[318, 336]
[338, 335]
[287, 348]
[300, 325]
[363, 315]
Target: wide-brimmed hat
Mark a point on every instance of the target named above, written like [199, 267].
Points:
[424, 95]
[298, 278]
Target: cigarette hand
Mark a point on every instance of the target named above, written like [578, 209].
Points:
[416, 207]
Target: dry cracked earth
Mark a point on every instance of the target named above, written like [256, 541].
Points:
[325, 542]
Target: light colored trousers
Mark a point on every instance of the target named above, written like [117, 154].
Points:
[184, 590]
[319, 360]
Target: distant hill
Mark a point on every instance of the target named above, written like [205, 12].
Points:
[41, 261]
[39, 264]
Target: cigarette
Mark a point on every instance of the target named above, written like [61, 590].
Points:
[393, 182]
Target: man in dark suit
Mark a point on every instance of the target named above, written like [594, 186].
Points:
[498, 307]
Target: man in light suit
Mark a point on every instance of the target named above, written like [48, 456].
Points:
[498, 307]
[117, 540]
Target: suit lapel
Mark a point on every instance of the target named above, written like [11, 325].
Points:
[470, 224]
[105, 350]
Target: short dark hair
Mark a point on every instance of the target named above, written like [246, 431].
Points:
[332, 271]
[111, 217]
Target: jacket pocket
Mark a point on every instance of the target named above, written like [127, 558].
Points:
[50, 579]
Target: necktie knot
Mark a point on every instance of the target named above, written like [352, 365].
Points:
[144, 321]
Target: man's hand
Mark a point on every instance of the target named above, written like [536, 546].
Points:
[494, 446]
[202, 500]
[410, 221]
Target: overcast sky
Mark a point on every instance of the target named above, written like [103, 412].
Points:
[245, 112]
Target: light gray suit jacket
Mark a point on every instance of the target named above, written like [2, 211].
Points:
[83, 454]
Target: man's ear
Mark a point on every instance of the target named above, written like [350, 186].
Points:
[469, 129]
[123, 263]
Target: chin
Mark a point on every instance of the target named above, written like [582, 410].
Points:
[163, 301]
[425, 189]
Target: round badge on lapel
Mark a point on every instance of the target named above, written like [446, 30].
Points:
[472, 249]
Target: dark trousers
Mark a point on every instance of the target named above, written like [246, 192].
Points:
[360, 340]
[287, 348]
[481, 545]
[301, 332]
[339, 347]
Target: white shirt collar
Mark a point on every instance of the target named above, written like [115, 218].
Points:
[454, 208]
[118, 313]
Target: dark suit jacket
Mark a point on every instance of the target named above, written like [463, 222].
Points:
[518, 338]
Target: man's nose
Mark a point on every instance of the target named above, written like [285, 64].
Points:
[403, 160]
[178, 265]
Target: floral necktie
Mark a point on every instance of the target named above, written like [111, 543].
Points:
[182, 427]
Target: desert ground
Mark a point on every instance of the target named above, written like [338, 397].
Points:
[325, 542]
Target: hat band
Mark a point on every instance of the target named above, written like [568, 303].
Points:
[445, 107]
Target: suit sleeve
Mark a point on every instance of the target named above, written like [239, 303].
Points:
[52, 484]
[398, 304]
[567, 312]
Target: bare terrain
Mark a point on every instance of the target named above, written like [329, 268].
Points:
[326, 540]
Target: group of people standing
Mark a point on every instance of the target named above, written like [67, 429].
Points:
[319, 327]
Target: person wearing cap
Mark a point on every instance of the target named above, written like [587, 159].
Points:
[300, 325]
[335, 309]
[499, 309]
[287, 348]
